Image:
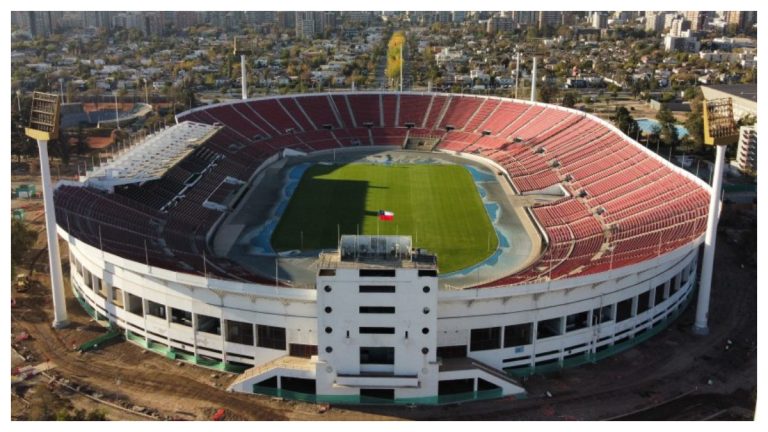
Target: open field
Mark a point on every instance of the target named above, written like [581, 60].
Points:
[436, 204]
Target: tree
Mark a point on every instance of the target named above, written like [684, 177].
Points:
[22, 240]
[695, 121]
[624, 121]
[569, 99]
[668, 133]
[547, 92]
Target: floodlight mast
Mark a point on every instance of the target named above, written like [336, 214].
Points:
[44, 126]
[719, 130]
[243, 50]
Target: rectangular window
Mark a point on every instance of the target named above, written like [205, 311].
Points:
[240, 332]
[301, 350]
[271, 337]
[101, 288]
[485, 339]
[576, 321]
[452, 351]
[135, 305]
[624, 310]
[643, 302]
[155, 309]
[518, 334]
[387, 289]
[117, 297]
[549, 328]
[377, 273]
[377, 309]
[377, 330]
[377, 355]
[659, 295]
[87, 278]
[182, 317]
[208, 324]
[603, 314]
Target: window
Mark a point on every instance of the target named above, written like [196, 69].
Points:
[377, 330]
[240, 332]
[101, 288]
[135, 305]
[453, 351]
[624, 310]
[659, 295]
[87, 279]
[270, 337]
[576, 321]
[377, 273]
[549, 328]
[377, 355]
[643, 302]
[377, 309]
[301, 350]
[518, 334]
[155, 309]
[603, 314]
[485, 339]
[377, 289]
[208, 324]
[117, 297]
[182, 317]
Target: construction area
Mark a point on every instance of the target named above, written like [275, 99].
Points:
[82, 372]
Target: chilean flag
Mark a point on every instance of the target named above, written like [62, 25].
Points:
[386, 215]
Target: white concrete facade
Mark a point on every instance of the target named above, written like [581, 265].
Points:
[632, 299]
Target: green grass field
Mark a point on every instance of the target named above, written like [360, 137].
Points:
[438, 205]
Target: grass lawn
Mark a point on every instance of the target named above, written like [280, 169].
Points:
[438, 205]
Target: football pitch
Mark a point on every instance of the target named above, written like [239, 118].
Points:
[438, 205]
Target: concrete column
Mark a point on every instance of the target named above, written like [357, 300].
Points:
[517, 74]
[60, 318]
[700, 326]
[533, 82]
[243, 79]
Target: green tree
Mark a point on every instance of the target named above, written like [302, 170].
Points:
[624, 121]
[668, 134]
[569, 99]
[695, 122]
[22, 240]
[547, 92]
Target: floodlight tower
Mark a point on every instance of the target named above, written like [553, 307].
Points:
[243, 47]
[44, 126]
[720, 130]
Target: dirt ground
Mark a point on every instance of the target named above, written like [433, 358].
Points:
[673, 376]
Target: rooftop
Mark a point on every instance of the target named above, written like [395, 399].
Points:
[745, 91]
[150, 159]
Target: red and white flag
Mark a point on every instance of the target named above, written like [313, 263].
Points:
[386, 215]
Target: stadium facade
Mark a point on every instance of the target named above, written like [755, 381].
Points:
[620, 233]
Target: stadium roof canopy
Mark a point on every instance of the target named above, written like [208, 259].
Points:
[150, 159]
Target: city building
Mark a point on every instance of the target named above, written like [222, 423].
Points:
[746, 154]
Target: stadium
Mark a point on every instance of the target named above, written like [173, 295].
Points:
[398, 247]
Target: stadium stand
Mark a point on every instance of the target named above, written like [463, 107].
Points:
[623, 204]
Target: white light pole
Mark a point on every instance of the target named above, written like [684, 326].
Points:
[60, 318]
[533, 81]
[244, 83]
[517, 73]
[700, 326]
